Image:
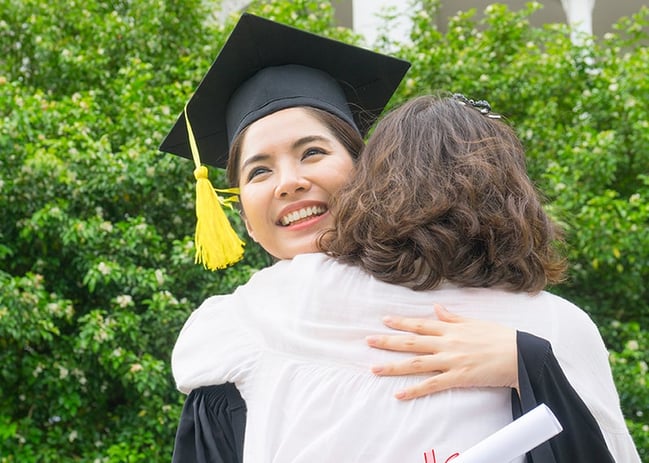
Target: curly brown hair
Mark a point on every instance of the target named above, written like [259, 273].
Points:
[441, 193]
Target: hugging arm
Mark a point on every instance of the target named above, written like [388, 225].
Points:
[464, 352]
[212, 424]
[476, 353]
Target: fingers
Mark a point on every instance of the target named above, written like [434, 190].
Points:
[446, 316]
[414, 325]
[430, 385]
[429, 326]
[404, 343]
[414, 365]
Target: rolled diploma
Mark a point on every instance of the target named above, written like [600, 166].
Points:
[517, 438]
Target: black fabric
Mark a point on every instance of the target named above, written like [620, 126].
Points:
[541, 380]
[364, 82]
[279, 87]
[211, 427]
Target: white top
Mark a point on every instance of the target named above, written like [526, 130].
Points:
[293, 341]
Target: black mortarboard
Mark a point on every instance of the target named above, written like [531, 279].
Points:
[290, 68]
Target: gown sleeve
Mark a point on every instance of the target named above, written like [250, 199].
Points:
[541, 380]
[211, 427]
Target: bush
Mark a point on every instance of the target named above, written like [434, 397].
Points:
[96, 260]
[97, 273]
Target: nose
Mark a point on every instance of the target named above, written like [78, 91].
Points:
[291, 181]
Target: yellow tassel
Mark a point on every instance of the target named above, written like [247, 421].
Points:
[217, 244]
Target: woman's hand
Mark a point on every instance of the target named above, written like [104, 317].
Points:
[463, 352]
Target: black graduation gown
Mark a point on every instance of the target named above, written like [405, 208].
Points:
[541, 380]
[213, 419]
[211, 426]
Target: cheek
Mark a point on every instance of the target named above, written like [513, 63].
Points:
[343, 174]
[252, 211]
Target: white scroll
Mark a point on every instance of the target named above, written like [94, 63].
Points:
[515, 439]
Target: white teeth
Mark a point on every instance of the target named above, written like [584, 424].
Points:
[302, 214]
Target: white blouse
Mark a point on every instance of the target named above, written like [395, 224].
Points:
[293, 341]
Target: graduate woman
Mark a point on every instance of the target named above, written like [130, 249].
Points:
[258, 109]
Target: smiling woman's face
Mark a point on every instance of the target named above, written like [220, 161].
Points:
[290, 165]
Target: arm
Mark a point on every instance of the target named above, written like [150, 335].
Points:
[211, 427]
[464, 352]
[214, 346]
[475, 353]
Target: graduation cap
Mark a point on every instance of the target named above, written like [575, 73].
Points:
[265, 67]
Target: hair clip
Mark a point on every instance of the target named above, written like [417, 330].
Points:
[482, 106]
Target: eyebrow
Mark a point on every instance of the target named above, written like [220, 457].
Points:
[309, 139]
[299, 142]
[254, 159]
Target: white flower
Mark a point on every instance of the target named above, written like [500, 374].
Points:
[124, 300]
[136, 367]
[100, 335]
[159, 276]
[103, 268]
[106, 226]
[170, 297]
[53, 307]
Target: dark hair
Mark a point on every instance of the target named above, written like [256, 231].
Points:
[442, 193]
[346, 134]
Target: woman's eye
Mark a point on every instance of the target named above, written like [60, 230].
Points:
[313, 152]
[255, 172]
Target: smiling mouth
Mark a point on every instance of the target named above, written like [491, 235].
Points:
[301, 214]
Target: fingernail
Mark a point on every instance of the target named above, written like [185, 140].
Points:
[387, 319]
[372, 339]
[400, 395]
[377, 369]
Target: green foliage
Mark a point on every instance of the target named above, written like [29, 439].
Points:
[96, 253]
[97, 273]
[630, 351]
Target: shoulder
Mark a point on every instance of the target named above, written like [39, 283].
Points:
[312, 271]
[210, 308]
[571, 321]
[306, 264]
